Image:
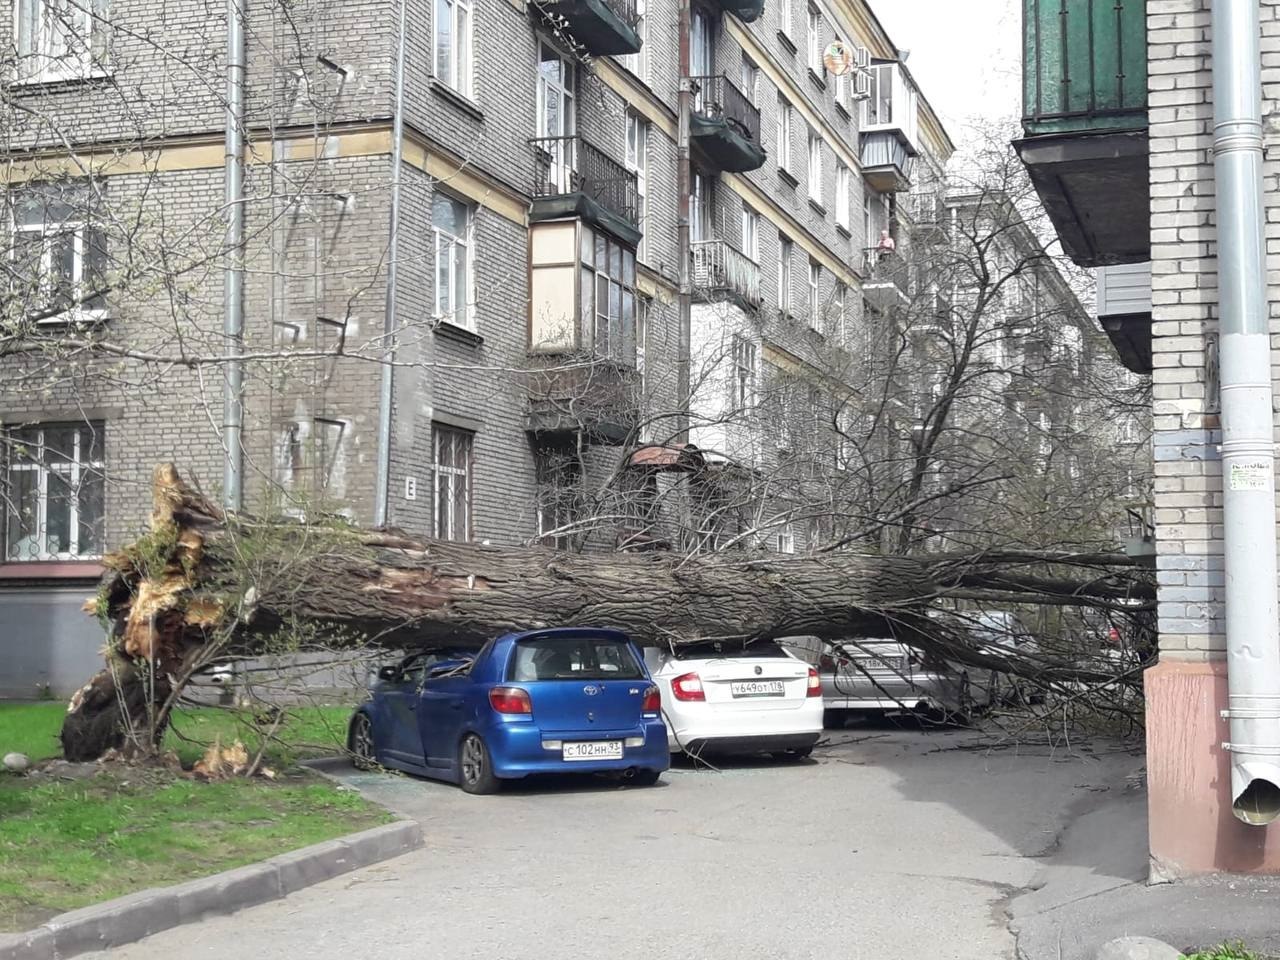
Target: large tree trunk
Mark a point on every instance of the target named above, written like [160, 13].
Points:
[202, 584]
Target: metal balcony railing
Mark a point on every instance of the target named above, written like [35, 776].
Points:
[719, 266]
[568, 165]
[716, 98]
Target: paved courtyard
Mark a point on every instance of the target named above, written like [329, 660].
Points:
[891, 844]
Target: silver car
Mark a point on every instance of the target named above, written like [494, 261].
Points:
[880, 675]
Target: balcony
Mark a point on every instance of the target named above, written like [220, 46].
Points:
[598, 398]
[1124, 312]
[887, 161]
[724, 127]
[886, 284]
[745, 10]
[1084, 84]
[604, 27]
[722, 272]
[573, 178]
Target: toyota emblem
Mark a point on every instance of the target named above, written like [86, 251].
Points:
[759, 669]
[590, 689]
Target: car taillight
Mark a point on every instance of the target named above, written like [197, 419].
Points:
[652, 701]
[688, 686]
[510, 700]
[815, 684]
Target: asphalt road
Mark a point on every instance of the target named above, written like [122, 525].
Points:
[890, 845]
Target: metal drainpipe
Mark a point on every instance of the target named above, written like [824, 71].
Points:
[233, 273]
[382, 492]
[1248, 447]
[683, 179]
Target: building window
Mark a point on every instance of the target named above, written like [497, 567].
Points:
[786, 542]
[310, 457]
[59, 255]
[750, 234]
[452, 482]
[452, 223]
[700, 208]
[453, 44]
[785, 17]
[785, 254]
[557, 85]
[609, 295]
[838, 299]
[844, 82]
[815, 301]
[815, 168]
[842, 194]
[815, 41]
[559, 475]
[750, 78]
[638, 63]
[61, 39]
[878, 108]
[54, 492]
[637, 161]
[783, 135]
[744, 371]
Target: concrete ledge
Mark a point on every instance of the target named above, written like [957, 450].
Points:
[141, 914]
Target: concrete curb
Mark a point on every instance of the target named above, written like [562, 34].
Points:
[141, 914]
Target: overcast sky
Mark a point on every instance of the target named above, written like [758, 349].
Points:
[965, 54]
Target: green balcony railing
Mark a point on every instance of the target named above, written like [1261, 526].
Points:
[1084, 67]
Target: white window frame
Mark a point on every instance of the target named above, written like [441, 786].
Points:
[637, 161]
[786, 17]
[843, 180]
[839, 300]
[460, 75]
[744, 371]
[750, 233]
[71, 473]
[786, 541]
[786, 254]
[749, 75]
[815, 167]
[59, 47]
[463, 315]
[638, 63]
[566, 90]
[815, 295]
[447, 528]
[814, 40]
[46, 231]
[783, 132]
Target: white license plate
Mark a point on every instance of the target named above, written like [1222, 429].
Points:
[756, 688]
[593, 750]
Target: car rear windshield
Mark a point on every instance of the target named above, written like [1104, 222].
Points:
[574, 658]
[761, 648]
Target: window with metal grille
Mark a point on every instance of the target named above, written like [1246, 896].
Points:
[53, 496]
[452, 482]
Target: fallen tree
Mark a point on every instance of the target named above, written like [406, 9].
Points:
[203, 584]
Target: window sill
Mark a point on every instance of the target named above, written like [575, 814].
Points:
[459, 100]
[55, 80]
[843, 109]
[787, 41]
[50, 569]
[74, 318]
[818, 208]
[789, 177]
[451, 331]
[844, 231]
[818, 80]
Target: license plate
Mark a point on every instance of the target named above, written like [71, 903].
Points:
[756, 688]
[593, 750]
[897, 664]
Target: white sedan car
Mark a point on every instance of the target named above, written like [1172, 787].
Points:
[757, 699]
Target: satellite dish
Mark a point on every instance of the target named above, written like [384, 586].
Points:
[837, 58]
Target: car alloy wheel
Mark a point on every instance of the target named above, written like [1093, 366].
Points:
[361, 743]
[475, 769]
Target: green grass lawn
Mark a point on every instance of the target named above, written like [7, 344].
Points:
[32, 728]
[69, 843]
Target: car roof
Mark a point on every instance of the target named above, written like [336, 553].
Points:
[609, 633]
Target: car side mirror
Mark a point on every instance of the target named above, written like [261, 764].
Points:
[389, 674]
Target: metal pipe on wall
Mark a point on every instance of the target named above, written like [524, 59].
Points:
[382, 490]
[1248, 446]
[684, 176]
[233, 272]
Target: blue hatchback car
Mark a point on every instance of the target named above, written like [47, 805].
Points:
[573, 700]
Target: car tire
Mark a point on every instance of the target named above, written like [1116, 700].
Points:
[360, 743]
[644, 777]
[834, 719]
[475, 766]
